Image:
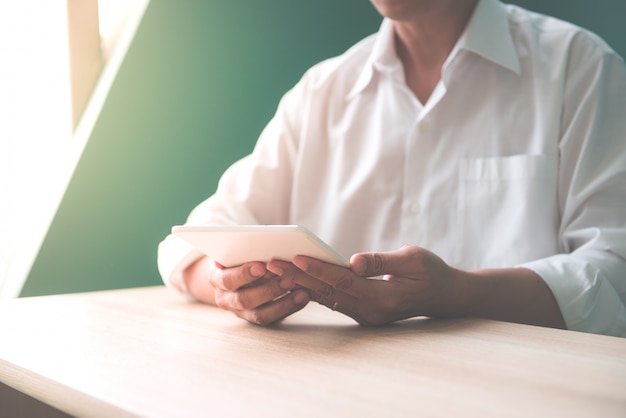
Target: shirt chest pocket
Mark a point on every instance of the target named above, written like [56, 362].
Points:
[507, 210]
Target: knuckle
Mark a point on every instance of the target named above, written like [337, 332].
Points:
[273, 291]
[326, 291]
[245, 272]
[419, 261]
[411, 249]
[344, 282]
[405, 250]
[239, 300]
[219, 299]
[416, 253]
[231, 300]
[414, 257]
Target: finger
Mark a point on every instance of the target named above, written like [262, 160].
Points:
[250, 297]
[337, 277]
[338, 299]
[276, 310]
[343, 298]
[340, 302]
[234, 278]
[292, 275]
[398, 262]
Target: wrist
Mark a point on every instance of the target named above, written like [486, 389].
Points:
[461, 295]
[508, 294]
[196, 279]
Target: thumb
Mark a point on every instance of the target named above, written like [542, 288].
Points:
[396, 262]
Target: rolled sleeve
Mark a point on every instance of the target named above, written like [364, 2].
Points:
[588, 279]
[587, 290]
[174, 256]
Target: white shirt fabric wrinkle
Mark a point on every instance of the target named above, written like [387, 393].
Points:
[517, 159]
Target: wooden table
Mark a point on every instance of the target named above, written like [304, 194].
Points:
[147, 352]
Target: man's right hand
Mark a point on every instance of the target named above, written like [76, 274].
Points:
[250, 291]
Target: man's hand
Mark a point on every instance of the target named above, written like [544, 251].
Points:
[249, 291]
[414, 282]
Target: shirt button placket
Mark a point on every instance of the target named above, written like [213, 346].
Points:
[415, 165]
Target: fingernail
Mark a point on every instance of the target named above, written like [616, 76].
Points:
[257, 271]
[300, 297]
[301, 264]
[275, 269]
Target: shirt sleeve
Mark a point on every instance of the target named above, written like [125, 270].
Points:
[254, 190]
[588, 279]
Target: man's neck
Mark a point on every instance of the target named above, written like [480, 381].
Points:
[425, 41]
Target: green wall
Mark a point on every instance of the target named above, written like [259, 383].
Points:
[199, 82]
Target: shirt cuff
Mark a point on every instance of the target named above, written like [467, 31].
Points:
[174, 256]
[587, 300]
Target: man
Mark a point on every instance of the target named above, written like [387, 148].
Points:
[477, 133]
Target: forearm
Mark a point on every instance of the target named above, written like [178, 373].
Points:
[513, 295]
[196, 278]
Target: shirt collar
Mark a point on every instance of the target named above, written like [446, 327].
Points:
[487, 34]
[383, 58]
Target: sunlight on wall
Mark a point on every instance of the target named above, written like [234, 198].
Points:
[35, 123]
[38, 152]
[114, 16]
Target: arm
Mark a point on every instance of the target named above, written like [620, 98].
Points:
[416, 282]
[587, 278]
[513, 295]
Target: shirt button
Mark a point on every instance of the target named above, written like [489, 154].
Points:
[416, 207]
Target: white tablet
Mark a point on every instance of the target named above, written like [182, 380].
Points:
[234, 245]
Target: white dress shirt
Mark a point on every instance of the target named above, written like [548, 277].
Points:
[518, 158]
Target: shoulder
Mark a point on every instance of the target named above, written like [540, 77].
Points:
[538, 31]
[340, 72]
